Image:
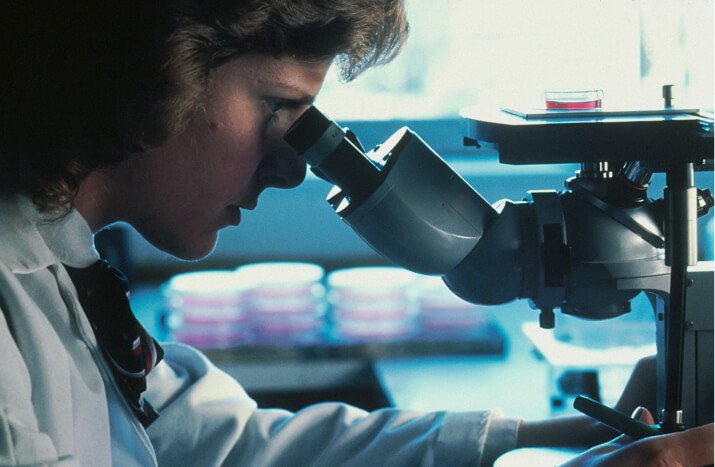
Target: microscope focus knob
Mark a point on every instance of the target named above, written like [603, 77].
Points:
[547, 320]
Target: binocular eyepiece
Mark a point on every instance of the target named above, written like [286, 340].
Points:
[334, 154]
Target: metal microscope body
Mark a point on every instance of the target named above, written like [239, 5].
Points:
[576, 250]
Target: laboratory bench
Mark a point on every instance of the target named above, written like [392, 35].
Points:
[500, 368]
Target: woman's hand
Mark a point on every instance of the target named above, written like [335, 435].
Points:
[580, 430]
[693, 447]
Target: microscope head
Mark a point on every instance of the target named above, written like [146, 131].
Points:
[400, 197]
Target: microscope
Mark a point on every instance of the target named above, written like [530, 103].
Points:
[586, 250]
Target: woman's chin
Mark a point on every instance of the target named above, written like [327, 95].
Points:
[197, 251]
[187, 247]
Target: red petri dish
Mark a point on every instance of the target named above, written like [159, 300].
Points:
[573, 100]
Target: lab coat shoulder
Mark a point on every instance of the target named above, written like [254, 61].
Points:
[22, 441]
[207, 418]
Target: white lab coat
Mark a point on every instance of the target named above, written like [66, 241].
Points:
[60, 406]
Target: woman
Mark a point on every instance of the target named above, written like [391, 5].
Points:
[169, 116]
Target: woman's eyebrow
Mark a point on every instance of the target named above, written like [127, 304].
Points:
[298, 95]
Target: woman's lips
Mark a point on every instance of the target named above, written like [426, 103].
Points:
[234, 210]
[248, 205]
[234, 214]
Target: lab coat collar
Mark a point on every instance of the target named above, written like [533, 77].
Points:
[36, 240]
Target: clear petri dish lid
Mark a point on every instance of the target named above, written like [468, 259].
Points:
[370, 278]
[205, 284]
[289, 274]
[279, 309]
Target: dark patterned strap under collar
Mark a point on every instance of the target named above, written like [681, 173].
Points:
[131, 352]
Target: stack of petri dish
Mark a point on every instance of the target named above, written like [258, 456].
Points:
[371, 303]
[286, 301]
[442, 313]
[208, 309]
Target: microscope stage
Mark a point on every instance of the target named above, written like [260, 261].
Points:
[592, 136]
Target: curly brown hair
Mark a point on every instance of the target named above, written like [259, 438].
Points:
[87, 84]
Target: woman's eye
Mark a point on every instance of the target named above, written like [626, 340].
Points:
[276, 105]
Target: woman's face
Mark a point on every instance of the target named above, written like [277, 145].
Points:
[180, 195]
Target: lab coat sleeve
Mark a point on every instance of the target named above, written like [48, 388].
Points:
[206, 418]
[21, 440]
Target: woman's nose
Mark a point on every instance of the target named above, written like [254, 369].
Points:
[281, 167]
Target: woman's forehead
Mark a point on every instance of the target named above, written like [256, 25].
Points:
[288, 73]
